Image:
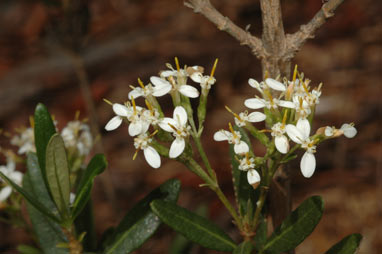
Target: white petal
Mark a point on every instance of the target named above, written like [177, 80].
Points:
[16, 177]
[275, 85]
[294, 133]
[120, 109]
[152, 157]
[135, 128]
[304, 126]
[282, 144]
[161, 90]
[253, 176]
[137, 92]
[222, 135]
[165, 124]
[308, 164]
[253, 83]
[255, 117]
[329, 131]
[114, 123]
[286, 104]
[254, 103]
[241, 148]
[177, 147]
[181, 115]
[189, 91]
[157, 81]
[5, 193]
[197, 77]
[168, 73]
[349, 130]
[145, 126]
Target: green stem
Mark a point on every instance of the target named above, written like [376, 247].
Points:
[203, 154]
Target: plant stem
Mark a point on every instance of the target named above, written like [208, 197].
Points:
[202, 153]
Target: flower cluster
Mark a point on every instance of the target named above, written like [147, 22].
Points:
[288, 110]
[174, 82]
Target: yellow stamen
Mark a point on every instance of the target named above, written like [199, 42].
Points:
[305, 88]
[173, 127]
[141, 83]
[295, 73]
[77, 115]
[233, 113]
[266, 75]
[148, 105]
[232, 130]
[108, 102]
[31, 121]
[285, 118]
[134, 107]
[214, 68]
[177, 64]
[153, 134]
[135, 154]
[301, 102]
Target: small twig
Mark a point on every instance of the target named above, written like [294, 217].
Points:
[223, 23]
[297, 40]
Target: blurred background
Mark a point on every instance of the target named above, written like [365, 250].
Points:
[118, 41]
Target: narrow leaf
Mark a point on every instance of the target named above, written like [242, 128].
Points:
[44, 129]
[194, 227]
[48, 232]
[296, 227]
[244, 248]
[261, 233]
[57, 173]
[95, 167]
[29, 197]
[27, 249]
[348, 245]
[140, 222]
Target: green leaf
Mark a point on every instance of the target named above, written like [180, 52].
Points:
[48, 232]
[261, 233]
[243, 190]
[244, 248]
[95, 167]
[44, 129]
[140, 222]
[194, 227]
[85, 223]
[296, 227]
[348, 245]
[30, 198]
[27, 249]
[57, 173]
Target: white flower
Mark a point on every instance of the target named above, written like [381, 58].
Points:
[77, 135]
[179, 129]
[248, 164]
[186, 90]
[25, 141]
[121, 112]
[159, 89]
[243, 117]
[253, 177]
[349, 130]
[300, 135]
[205, 81]
[10, 171]
[281, 141]
[141, 142]
[233, 137]
[257, 103]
